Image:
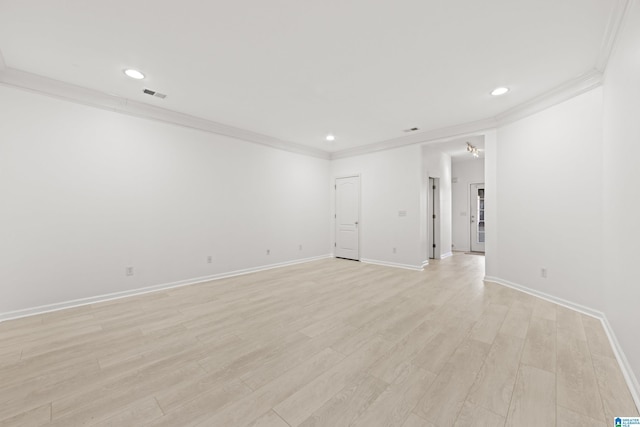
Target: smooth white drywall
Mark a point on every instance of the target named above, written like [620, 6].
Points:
[85, 193]
[390, 183]
[549, 186]
[621, 195]
[437, 164]
[490, 199]
[463, 173]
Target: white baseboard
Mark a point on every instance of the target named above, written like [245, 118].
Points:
[117, 295]
[623, 362]
[425, 263]
[565, 303]
[447, 255]
[392, 264]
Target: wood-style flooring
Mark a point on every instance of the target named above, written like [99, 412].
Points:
[327, 343]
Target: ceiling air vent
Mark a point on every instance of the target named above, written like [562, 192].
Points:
[410, 130]
[154, 93]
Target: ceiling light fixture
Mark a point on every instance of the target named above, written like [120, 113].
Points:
[330, 137]
[134, 74]
[473, 150]
[499, 91]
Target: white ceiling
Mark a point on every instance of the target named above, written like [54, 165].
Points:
[295, 70]
[457, 148]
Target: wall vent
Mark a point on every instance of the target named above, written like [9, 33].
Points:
[154, 93]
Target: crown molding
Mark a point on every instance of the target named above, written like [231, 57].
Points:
[464, 129]
[561, 93]
[616, 19]
[70, 92]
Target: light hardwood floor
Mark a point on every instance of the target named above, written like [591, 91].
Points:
[327, 343]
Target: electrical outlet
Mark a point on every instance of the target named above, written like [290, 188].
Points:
[268, 251]
[128, 271]
[543, 273]
[209, 259]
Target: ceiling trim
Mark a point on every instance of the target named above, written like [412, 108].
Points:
[611, 33]
[435, 135]
[559, 94]
[69, 92]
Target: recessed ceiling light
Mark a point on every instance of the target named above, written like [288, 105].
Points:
[134, 74]
[499, 91]
[330, 137]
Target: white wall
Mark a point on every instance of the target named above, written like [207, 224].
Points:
[85, 193]
[621, 195]
[549, 186]
[465, 173]
[390, 182]
[437, 164]
[491, 250]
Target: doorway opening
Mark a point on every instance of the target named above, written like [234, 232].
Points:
[433, 220]
[477, 226]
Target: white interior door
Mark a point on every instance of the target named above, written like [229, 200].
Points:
[477, 217]
[347, 243]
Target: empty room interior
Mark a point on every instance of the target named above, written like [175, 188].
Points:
[326, 213]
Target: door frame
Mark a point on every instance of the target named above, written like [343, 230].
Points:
[473, 225]
[433, 224]
[335, 213]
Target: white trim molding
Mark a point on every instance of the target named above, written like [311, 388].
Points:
[446, 255]
[90, 97]
[623, 362]
[117, 295]
[461, 130]
[393, 264]
[94, 98]
[561, 93]
[616, 21]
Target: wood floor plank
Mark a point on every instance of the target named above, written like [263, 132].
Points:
[394, 405]
[516, 322]
[473, 415]
[249, 408]
[487, 327]
[415, 421]
[544, 309]
[388, 367]
[577, 384]
[494, 384]
[534, 398]
[348, 404]
[540, 345]
[568, 418]
[270, 419]
[304, 402]
[596, 337]
[133, 415]
[38, 416]
[446, 396]
[616, 398]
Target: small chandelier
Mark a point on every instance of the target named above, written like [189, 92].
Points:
[473, 150]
